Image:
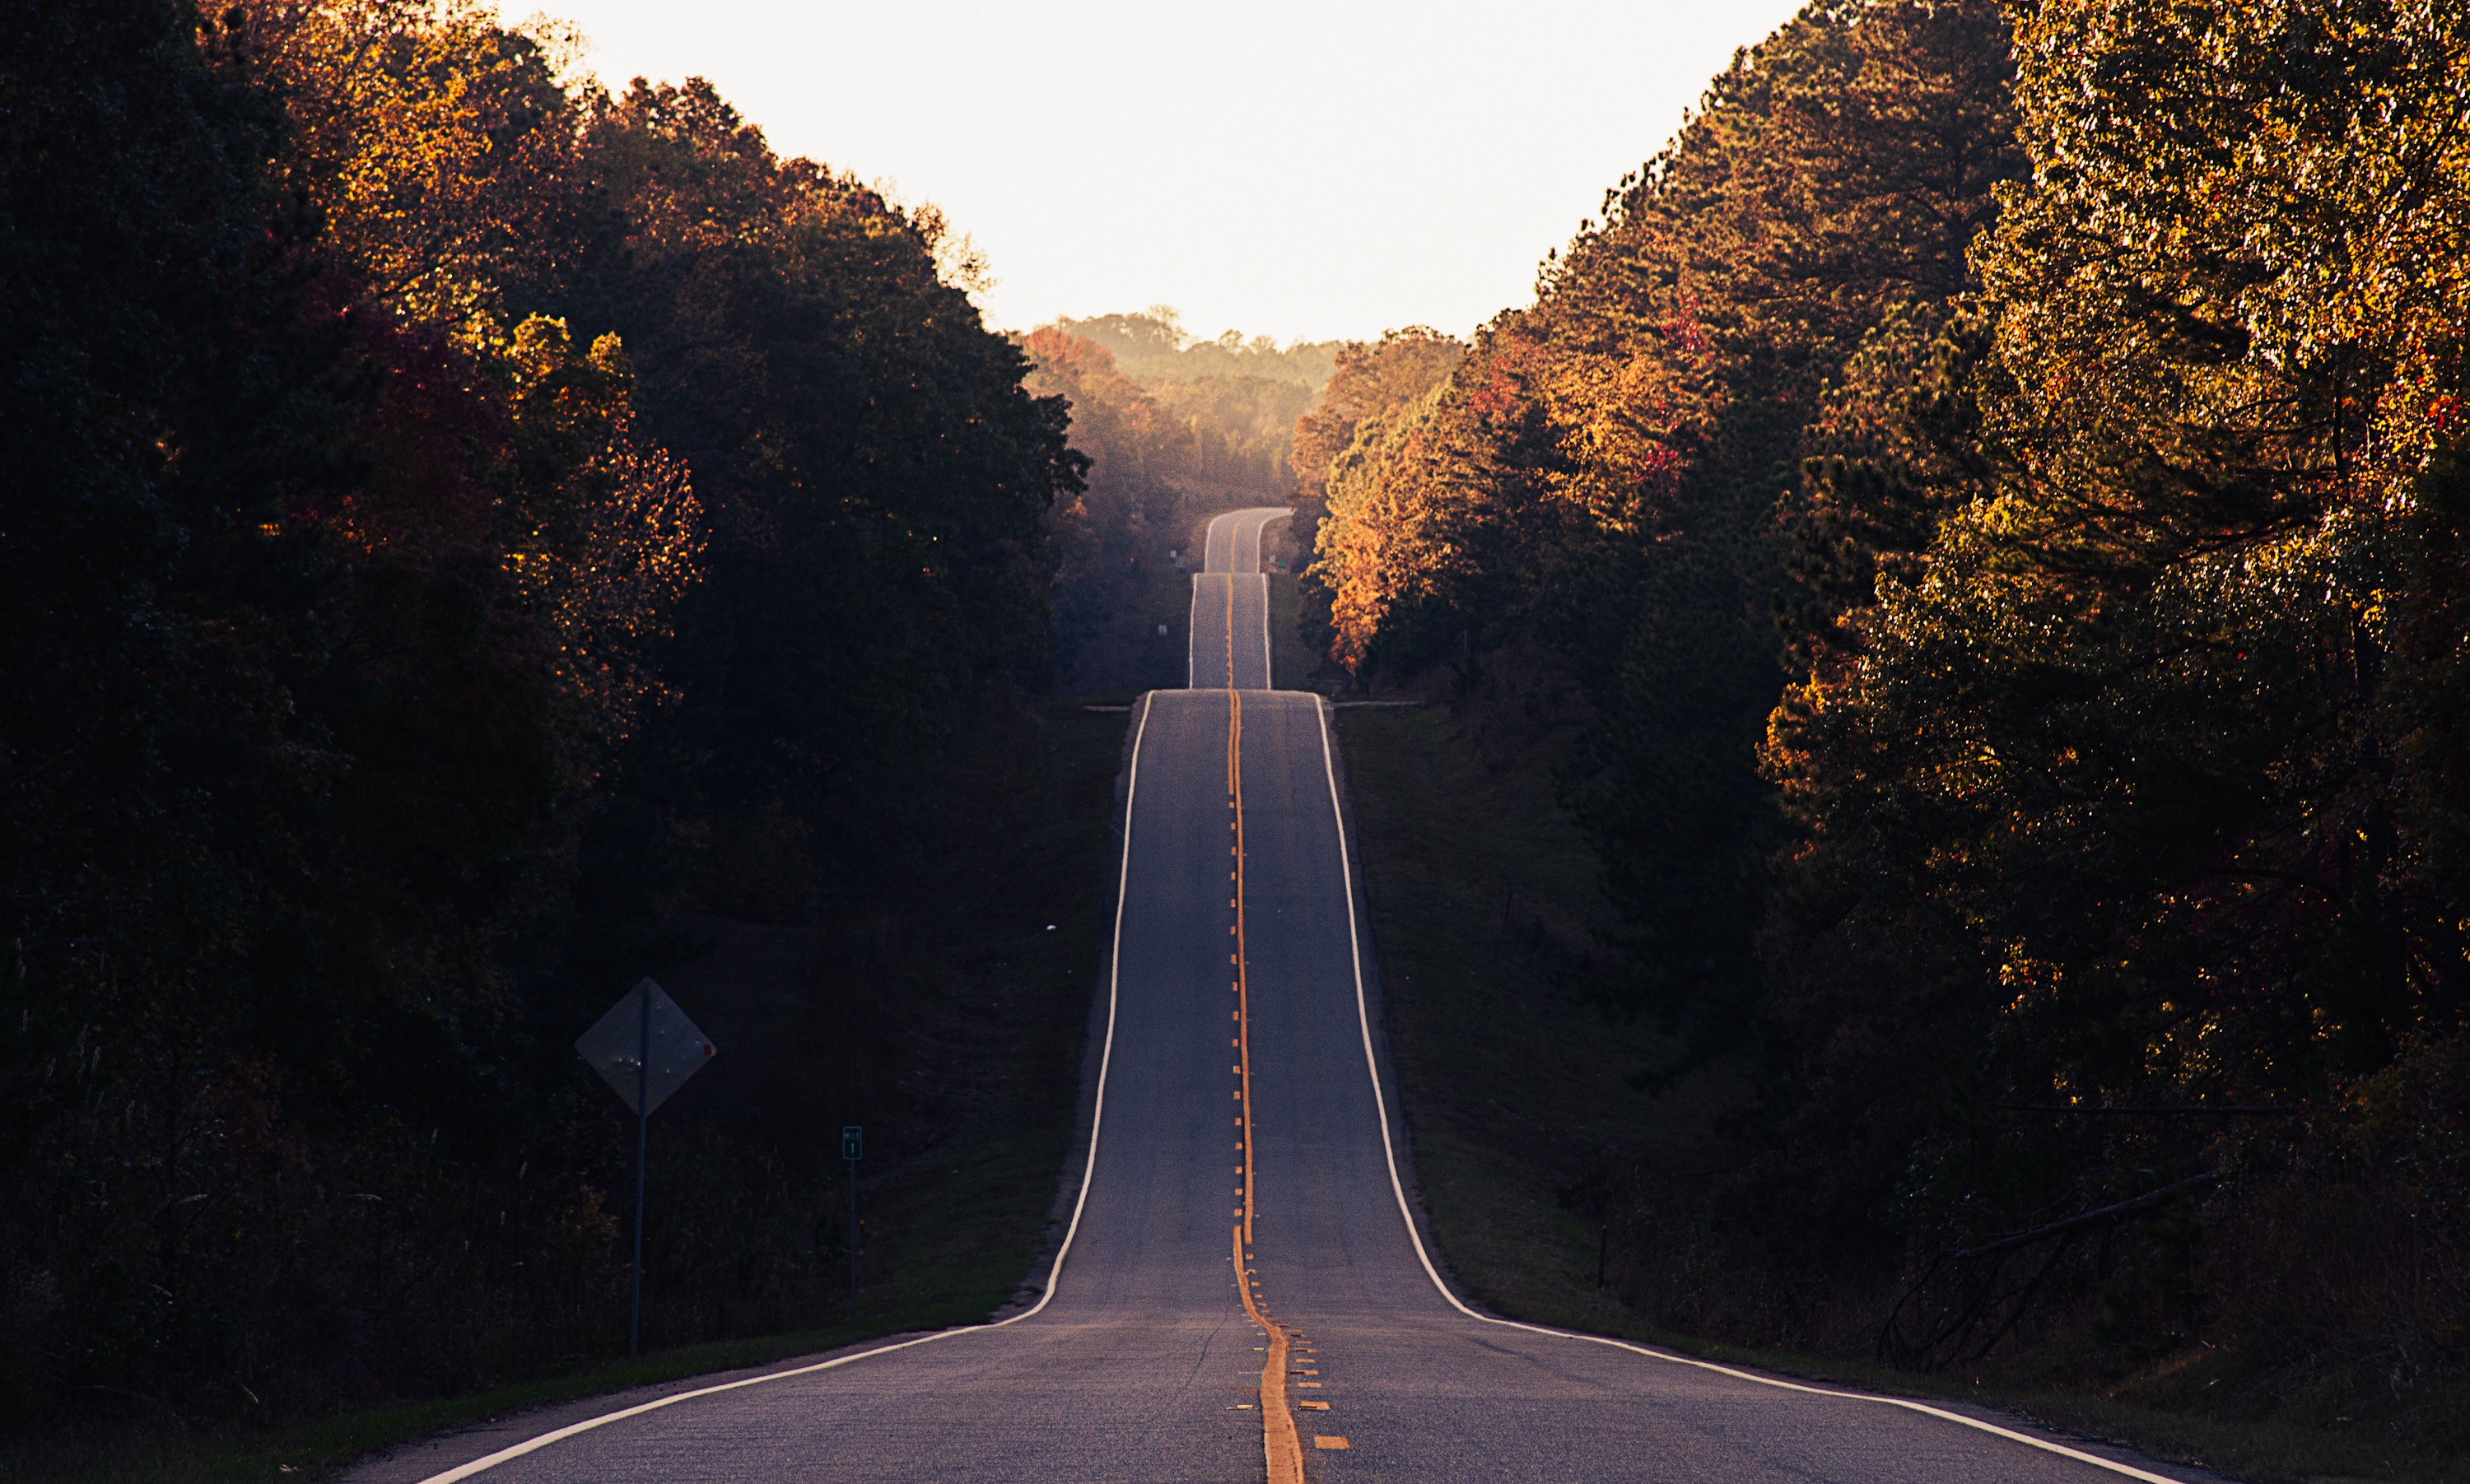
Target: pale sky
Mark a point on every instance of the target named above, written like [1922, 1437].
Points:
[1304, 170]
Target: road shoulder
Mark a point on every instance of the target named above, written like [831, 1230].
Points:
[409, 1463]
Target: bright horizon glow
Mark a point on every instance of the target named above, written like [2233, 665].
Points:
[1314, 172]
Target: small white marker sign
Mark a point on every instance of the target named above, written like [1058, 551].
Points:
[678, 1049]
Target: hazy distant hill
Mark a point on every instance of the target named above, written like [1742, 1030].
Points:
[1153, 348]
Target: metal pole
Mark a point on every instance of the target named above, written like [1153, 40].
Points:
[643, 1127]
[853, 1163]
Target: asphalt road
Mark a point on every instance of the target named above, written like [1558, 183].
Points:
[1231, 605]
[1239, 1090]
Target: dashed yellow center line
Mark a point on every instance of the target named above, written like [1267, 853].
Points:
[1280, 1444]
[1242, 988]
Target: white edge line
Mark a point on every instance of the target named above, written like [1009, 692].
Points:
[1105, 1056]
[1231, 524]
[1192, 621]
[1191, 633]
[1209, 542]
[1380, 1107]
[1268, 681]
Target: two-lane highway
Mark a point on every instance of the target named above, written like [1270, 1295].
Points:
[1231, 605]
[1242, 1294]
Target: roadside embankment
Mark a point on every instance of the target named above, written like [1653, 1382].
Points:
[1542, 1166]
[943, 1011]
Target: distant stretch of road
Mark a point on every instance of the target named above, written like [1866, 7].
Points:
[1230, 606]
[1242, 1294]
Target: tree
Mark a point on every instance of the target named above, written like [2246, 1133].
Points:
[2106, 786]
[1369, 386]
[875, 474]
[1153, 348]
[1608, 473]
[357, 606]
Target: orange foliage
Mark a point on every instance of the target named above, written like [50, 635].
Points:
[429, 141]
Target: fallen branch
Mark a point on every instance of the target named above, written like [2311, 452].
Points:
[2136, 1110]
[2076, 1223]
[1977, 1298]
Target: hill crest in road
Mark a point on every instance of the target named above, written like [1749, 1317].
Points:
[1241, 1235]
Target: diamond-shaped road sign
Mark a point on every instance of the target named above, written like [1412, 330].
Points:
[678, 1050]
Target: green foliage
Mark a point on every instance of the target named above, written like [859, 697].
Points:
[282, 746]
[1239, 429]
[1601, 472]
[2122, 737]
[878, 475]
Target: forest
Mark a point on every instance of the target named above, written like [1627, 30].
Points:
[461, 523]
[474, 536]
[1991, 491]
[1994, 487]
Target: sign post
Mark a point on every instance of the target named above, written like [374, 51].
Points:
[645, 1048]
[642, 1154]
[852, 1147]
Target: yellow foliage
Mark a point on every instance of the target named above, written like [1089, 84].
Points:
[427, 138]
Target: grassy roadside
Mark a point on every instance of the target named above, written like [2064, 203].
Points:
[995, 961]
[166, 1454]
[1292, 666]
[1484, 912]
[1483, 908]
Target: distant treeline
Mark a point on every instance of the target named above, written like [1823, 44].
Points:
[2000, 488]
[1176, 430]
[456, 520]
[1153, 348]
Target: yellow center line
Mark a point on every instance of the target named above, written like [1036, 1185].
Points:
[1280, 1444]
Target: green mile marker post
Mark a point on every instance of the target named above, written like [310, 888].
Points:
[852, 1149]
